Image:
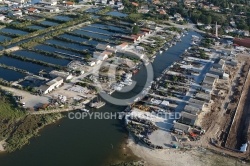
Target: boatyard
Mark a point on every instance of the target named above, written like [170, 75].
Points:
[202, 87]
[54, 60]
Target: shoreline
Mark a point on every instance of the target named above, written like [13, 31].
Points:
[5, 148]
[179, 157]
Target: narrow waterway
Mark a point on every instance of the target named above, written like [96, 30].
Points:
[88, 141]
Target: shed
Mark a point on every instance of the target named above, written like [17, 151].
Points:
[192, 109]
[183, 127]
[188, 118]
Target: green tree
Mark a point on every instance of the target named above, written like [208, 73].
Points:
[135, 29]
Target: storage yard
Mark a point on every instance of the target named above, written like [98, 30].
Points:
[209, 95]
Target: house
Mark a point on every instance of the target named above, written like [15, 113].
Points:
[119, 4]
[2, 17]
[120, 7]
[162, 12]
[65, 75]
[188, 118]
[100, 55]
[15, 13]
[32, 10]
[122, 46]
[111, 2]
[91, 63]
[192, 109]
[136, 37]
[106, 52]
[128, 38]
[49, 2]
[51, 9]
[181, 128]
[179, 19]
[102, 46]
[156, 2]
[135, 4]
[69, 3]
[144, 9]
[84, 1]
[208, 27]
[177, 15]
[147, 31]
[104, 2]
[20, 1]
[112, 50]
[51, 85]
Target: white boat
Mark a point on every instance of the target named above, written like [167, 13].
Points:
[193, 43]
[84, 110]
[137, 99]
[160, 51]
[98, 104]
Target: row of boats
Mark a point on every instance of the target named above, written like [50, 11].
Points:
[97, 105]
[173, 42]
[125, 81]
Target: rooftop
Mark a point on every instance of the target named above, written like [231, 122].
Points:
[51, 82]
[188, 115]
[196, 102]
[192, 109]
[181, 126]
[209, 80]
[203, 96]
[123, 44]
[212, 75]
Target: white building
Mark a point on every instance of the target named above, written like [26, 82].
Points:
[100, 55]
[122, 46]
[91, 63]
[17, 13]
[64, 75]
[104, 2]
[51, 8]
[2, 17]
[102, 46]
[51, 85]
[111, 2]
[20, 1]
[49, 2]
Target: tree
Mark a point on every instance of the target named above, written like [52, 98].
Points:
[135, 29]
[88, 56]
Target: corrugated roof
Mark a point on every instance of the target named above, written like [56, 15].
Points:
[181, 126]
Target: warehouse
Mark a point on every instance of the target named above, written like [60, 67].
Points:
[51, 85]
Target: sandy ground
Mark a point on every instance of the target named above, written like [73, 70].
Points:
[29, 99]
[176, 157]
[2, 145]
[166, 157]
